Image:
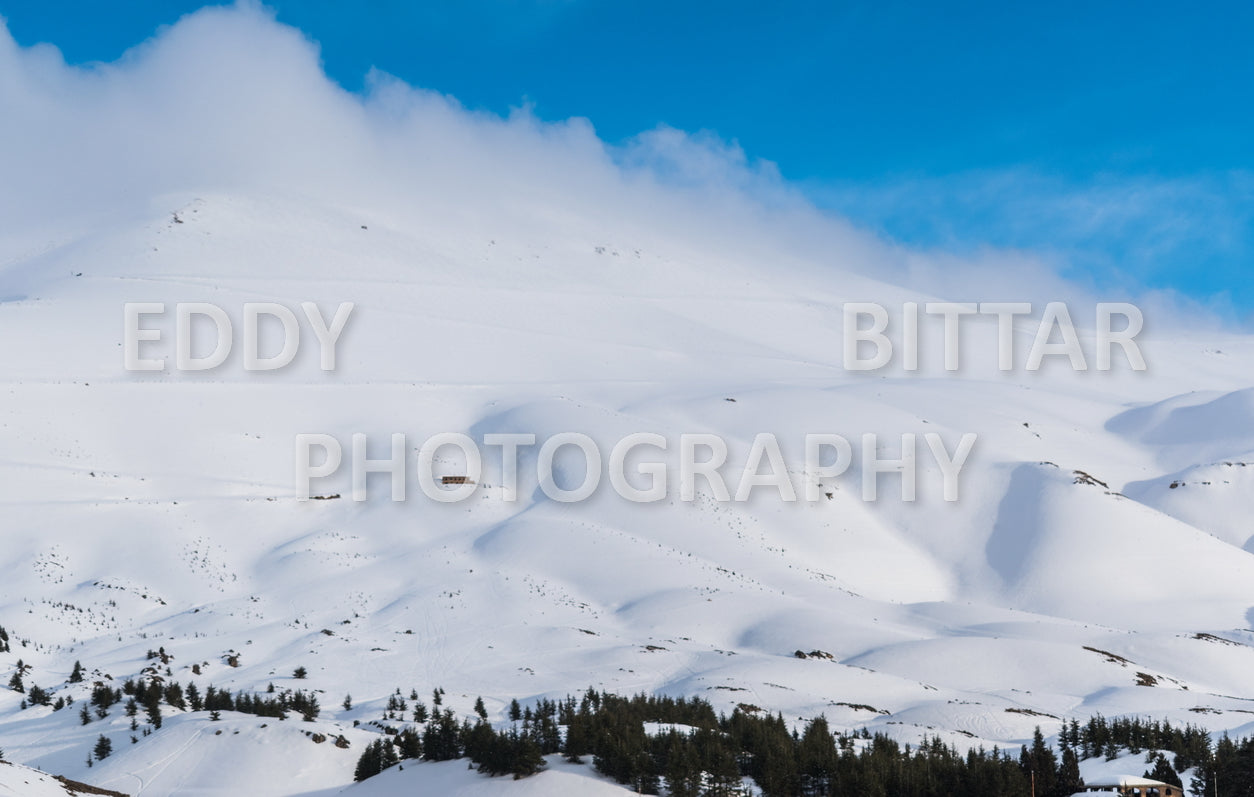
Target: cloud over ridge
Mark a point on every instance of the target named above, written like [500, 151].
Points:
[229, 99]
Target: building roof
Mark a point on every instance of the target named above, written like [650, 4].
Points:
[1114, 781]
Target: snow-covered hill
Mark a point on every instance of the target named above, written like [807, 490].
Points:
[20, 781]
[1098, 559]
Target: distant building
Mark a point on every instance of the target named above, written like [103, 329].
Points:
[1128, 786]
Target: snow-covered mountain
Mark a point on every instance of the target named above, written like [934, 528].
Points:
[1099, 557]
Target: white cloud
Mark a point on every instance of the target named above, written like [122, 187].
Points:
[228, 99]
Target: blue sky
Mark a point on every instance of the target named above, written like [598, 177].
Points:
[1115, 138]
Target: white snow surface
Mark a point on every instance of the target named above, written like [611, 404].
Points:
[146, 510]
[20, 781]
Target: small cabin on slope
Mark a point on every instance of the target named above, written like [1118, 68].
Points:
[1128, 786]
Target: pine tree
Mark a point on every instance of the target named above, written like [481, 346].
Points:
[84, 715]
[409, 744]
[38, 696]
[348, 702]
[578, 741]
[817, 752]
[724, 776]
[683, 771]
[103, 747]
[389, 757]
[15, 683]
[378, 756]
[174, 696]
[310, 710]
[441, 741]
[77, 676]
[480, 709]
[1111, 750]
[1069, 780]
[193, 698]
[1162, 771]
[368, 764]
[1041, 762]
[515, 710]
[527, 759]
[300, 673]
[154, 714]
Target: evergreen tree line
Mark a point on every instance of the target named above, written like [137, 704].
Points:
[713, 755]
[1102, 737]
[513, 751]
[271, 704]
[150, 693]
[714, 752]
[1228, 771]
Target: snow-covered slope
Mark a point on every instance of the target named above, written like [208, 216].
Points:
[20, 781]
[159, 509]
